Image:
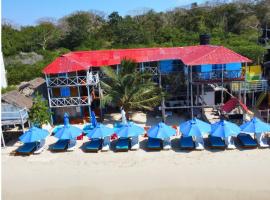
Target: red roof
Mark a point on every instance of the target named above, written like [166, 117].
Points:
[190, 55]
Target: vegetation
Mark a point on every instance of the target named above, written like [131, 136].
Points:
[235, 25]
[129, 88]
[39, 113]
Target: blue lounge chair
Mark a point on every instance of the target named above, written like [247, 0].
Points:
[60, 145]
[246, 141]
[94, 145]
[216, 142]
[27, 148]
[154, 144]
[122, 144]
[187, 143]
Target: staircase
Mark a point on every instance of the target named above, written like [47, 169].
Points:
[261, 98]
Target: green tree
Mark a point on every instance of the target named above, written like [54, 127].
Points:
[129, 88]
[39, 113]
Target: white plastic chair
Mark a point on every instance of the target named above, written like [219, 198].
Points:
[106, 144]
[71, 145]
[262, 140]
[230, 142]
[167, 144]
[199, 143]
[41, 147]
[135, 143]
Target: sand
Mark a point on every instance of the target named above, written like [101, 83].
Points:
[173, 174]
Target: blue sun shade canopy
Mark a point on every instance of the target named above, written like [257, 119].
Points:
[100, 131]
[129, 130]
[34, 134]
[255, 126]
[67, 132]
[161, 131]
[224, 129]
[194, 127]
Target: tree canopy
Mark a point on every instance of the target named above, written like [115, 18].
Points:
[235, 25]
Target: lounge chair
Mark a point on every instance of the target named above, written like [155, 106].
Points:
[246, 141]
[154, 144]
[187, 143]
[134, 143]
[229, 141]
[199, 143]
[94, 145]
[40, 147]
[122, 144]
[60, 145]
[71, 145]
[262, 140]
[106, 144]
[27, 148]
[216, 142]
[167, 144]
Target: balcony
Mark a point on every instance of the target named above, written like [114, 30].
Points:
[89, 79]
[250, 86]
[70, 101]
[216, 76]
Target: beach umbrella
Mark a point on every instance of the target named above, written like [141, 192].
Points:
[67, 131]
[194, 127]
[34, 134]
[224, 129]
[255, 125]
[129, 130]
[93, 119]
[161, 131]
[100, 131]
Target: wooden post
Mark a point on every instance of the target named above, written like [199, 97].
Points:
[188, 102]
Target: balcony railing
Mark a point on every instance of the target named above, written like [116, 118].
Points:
[217, 75]
[70, 101]
[90, 79]
[250, 86]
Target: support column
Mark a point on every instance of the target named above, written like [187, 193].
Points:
[188, 84]
[222, 85]
[191, 93]
[245, 89]
[100, 106]
[198, 94]
[89, 96]
[162, 100]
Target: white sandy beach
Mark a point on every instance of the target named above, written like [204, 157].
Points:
[173, 174]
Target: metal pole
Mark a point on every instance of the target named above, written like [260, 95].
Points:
[2, 137]
[89, 96]
[222, 99]
[162, 100]
[100, 106]
[191, 93]
[188, 86]
[245, 88]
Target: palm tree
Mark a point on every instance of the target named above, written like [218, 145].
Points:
[130, 89]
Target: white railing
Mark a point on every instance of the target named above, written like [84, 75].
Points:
[14, 115]
[256, 86]
[151, 70]
[70, 101]
[89, 79]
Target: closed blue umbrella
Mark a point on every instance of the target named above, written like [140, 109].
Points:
[224, 129]
[129, 130]
[255, 125]
[161, 131]
[100, 131]
[93, 119]
[194, 127]
[34, 134]
[67, 132]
